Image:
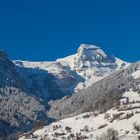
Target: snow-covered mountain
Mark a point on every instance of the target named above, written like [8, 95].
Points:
[100, 95]
[86, 77]
[113, 115]
[92, 63]
[71, 74]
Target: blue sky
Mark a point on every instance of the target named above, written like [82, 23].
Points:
[49, 29]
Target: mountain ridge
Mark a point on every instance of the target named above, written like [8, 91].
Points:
[87, 66]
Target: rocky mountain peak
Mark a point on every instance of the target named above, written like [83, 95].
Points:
[92, 56]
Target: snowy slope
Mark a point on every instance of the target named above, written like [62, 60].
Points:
[71, 74]
[136, 74]
[121, 118]
[42, 77]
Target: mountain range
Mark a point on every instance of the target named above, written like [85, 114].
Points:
[37, 93]
[71, 74]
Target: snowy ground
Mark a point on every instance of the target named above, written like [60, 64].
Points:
[136, 74]
[93, 124]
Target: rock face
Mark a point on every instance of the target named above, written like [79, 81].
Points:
[90, 56]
